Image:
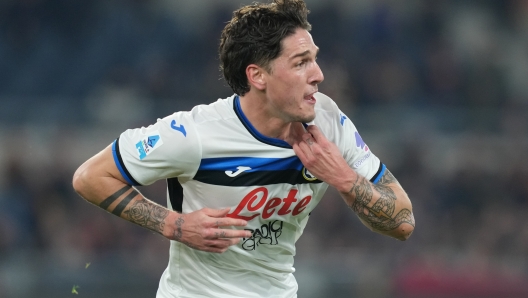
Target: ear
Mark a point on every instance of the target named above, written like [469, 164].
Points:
[255, 75]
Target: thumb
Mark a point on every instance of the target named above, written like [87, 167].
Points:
[216, 212]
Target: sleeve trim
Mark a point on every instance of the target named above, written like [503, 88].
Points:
[120, 165]
[381, 170]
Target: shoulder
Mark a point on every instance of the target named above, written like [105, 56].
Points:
[333, 122]
[222, 109]
[326, 111]
[325, 103]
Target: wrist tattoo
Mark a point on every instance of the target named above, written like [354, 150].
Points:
[178, 233]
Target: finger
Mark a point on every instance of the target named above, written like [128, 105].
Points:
[222, 243]
[226, 222]
[212, 249]
[304, 152]
[215, 245]
[226, 233]
[222, 218]
[308, 139]
[316, 133]
[216, 212]
[299, 151]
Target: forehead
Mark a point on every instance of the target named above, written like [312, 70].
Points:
[299, 42]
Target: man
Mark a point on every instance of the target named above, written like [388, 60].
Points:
[252, 166]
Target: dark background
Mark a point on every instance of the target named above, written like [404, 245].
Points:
[438, 90]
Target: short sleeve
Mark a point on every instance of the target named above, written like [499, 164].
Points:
[169, 148]
[357, 153]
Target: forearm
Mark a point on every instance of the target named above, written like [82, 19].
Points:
[99, 182]
[383, 207]
[132, 206]
[120, 199]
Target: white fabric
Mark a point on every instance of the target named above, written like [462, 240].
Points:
[188, 144]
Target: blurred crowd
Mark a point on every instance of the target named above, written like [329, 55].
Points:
[438, 89]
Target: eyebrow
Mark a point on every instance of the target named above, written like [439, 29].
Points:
[303, 54]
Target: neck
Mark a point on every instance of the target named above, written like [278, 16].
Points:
[265, 122]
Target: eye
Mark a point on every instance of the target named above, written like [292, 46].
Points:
[301, 63]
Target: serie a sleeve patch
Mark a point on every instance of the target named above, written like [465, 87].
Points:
[148, 144]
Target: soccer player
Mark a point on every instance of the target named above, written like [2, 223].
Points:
[252, 166]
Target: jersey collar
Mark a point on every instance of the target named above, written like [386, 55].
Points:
[257, 135]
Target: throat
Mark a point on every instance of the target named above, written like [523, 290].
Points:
[294, 133]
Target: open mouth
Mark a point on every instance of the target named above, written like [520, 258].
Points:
[310, 98]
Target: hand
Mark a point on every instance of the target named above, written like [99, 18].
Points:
[203, 229]
[322, 158]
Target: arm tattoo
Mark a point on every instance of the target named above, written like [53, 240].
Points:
[387, 178]
[178, 233]
[142, 212]
[108, 201]
[122, 205]
[381, 215]
[147, 214]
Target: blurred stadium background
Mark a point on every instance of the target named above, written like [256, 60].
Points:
[438, 89]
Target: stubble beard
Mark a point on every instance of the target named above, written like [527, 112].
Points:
[301, 117]
[304, 119]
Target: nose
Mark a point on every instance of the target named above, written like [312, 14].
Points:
[317, 76]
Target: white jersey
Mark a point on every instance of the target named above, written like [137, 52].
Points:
[222, 161]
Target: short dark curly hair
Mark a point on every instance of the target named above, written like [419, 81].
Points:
[254, 35]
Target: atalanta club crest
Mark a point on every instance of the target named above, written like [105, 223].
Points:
[307, 175]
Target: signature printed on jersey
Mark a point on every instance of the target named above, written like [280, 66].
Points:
[267, 234]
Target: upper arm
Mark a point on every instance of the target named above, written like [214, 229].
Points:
[97, 175]
[169, 148]
[102, 165]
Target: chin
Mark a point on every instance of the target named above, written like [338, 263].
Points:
[307, 119]
[307, 116]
